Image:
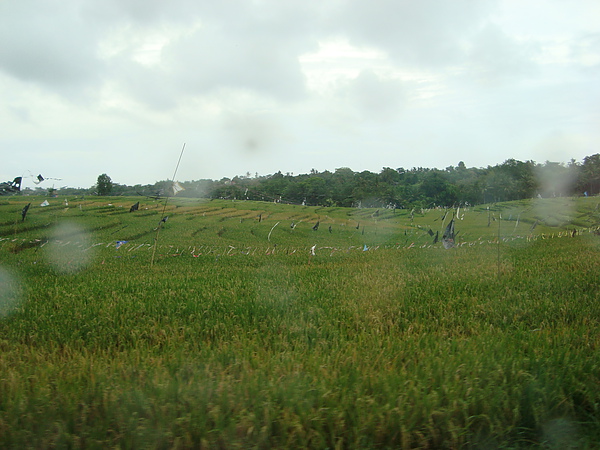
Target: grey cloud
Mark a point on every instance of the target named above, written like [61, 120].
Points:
[47, 43]
[247, 46]
[495, 57]
[376, 97]
[231, 45]
[237, 45]
[211, 59]
[251, 133]
[228, 45]
[20, 113]
[150, 86]
[425, 32]
[140, 12]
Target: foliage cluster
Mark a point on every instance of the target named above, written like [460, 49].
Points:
[395, 188]
[420, 187]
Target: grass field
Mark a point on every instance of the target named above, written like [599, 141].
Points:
[222, 329]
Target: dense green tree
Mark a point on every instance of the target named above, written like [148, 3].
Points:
[295, 192]
[436, 188]
[104, 185]
[510, 180]
[469, 190]
[274, 186]
[389, 176]
[590, 175]
[342, 184]
[402, 188]
[316, 191]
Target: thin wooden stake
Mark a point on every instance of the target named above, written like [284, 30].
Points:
[499, 220]
[164, 209]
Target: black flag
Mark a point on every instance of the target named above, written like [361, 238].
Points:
[134, 207]
[40, 178]
[448, 237]
[24, 211]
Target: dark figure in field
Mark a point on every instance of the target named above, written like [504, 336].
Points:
[11, 187]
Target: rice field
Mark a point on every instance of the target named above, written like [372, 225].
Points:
[261, 325]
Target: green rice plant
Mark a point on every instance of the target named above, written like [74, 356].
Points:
[243, 341]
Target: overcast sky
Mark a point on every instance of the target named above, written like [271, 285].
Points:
[258, 86]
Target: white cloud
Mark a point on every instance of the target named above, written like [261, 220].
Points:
[265, 85]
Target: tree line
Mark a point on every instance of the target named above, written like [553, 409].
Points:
[393, 188]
